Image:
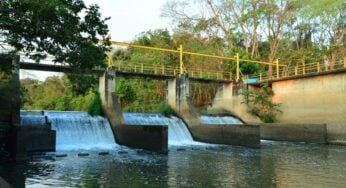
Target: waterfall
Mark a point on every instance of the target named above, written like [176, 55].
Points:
[178, 134]
[224, 120]
[79, 130]
[75, 130]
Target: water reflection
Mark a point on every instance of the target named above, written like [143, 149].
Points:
[274, 165]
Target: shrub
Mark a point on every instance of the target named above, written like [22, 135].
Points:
[261, 105]
[166, 110]
[95, 107]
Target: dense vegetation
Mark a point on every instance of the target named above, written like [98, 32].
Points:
[56, 94]
[294, 31]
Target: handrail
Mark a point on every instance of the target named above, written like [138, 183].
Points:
[169, 70]
[181, 52]
[301, 69]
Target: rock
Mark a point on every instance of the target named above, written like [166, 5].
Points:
[61, 155]
[123, 152]
[181, 149]
[83, 154]
[104, 153]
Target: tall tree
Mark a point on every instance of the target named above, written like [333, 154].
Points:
[329, 18]
[67, 29]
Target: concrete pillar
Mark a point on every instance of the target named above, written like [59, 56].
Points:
[153, 137]
[15, 141]
[108, 97]
[178, 92]
[178, 98]
[15, 110]
[229, 99]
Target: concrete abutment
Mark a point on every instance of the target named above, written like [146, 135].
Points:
[153, 137]
[178, 98]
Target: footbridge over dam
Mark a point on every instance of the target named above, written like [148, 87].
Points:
[314, 97]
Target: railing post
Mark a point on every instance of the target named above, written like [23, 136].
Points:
[303, 67]
[260, 76]
[296, 70]
[344, 61]
[238, 68]
[163, 69]
[318, 66]
[181, 59]
[109, 55]
[142, 68]
[277, 68]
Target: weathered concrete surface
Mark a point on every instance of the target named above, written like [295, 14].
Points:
[9, 99]
[10, 103]
[153, 138]
[229, 99]
[39, 138]
[178, 98]
[4, 184]
[242, 135]
[309, 133]
[29, 138]
[320, 99]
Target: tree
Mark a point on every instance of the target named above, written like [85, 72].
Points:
[329, 19]
[205, 18]
[55, 27]
[260, 103]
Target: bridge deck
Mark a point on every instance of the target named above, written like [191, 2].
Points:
[120, 73]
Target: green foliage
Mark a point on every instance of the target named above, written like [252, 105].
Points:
[53, 26]
[260, 103]
[138, 95]
[166, 110]
[56, 94]
[67, 29]
[95, 107]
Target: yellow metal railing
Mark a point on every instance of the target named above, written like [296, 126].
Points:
[300, 69]
[168, 70]
[198, 73]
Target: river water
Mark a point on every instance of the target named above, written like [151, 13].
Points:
[187, 164]
[276, 164]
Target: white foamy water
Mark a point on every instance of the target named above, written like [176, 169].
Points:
[220, 120]
[178, 133]
[76, 130]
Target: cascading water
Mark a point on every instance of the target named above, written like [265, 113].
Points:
[223, 120]
[178, 134]
[75, 130]
[79, 130]
[32, 118]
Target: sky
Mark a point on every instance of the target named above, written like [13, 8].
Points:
[128, 19]
[131, 17]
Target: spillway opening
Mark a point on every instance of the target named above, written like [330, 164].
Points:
[178, 133]
[74, 130]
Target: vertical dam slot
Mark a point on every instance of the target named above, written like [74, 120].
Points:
[178, 134]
